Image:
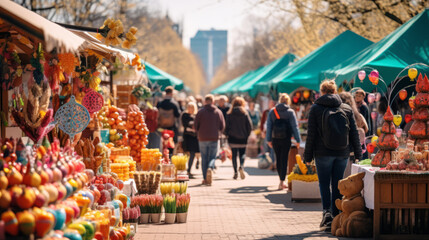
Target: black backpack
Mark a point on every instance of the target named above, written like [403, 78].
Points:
[281, 127]
[335, 129]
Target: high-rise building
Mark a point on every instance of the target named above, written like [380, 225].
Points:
[211, 47]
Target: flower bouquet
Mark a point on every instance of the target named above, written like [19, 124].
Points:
[169, 188]
[143, 202]
[170, 208]
[182, 205]
[155, 203]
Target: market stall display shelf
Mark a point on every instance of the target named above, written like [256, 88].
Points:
[401, 205]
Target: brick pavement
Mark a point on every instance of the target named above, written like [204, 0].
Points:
[252, 208]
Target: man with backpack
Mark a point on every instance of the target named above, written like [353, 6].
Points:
[331, 131]
[281, 126]
[168, 113]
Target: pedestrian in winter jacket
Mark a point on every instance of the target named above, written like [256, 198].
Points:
[280, 142]
[238, 128]
[209, 123]
[330, 162]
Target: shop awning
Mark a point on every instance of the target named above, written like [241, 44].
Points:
[50, 34]
[267, 73]
[306, 71]
[406, 45]
[163, 79]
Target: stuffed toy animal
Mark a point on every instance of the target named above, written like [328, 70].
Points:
[353, 221]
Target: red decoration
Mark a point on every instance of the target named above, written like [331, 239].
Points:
[370, 148]
[403, 94]
[93, 101]
[408, 118]
[295, 99]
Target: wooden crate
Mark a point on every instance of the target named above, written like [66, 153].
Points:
[401, 205]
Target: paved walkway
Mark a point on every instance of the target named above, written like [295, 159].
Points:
[252, 208]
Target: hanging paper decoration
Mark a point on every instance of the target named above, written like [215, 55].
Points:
[374, 77]
[306, 94]
[397, 120]
[398, 132]
[412, 73]
[403, 94]
[373, 115]
[371, 98]
[411, 102]
[93, 101]
[377, 96]
[408, 118]
[370, 147]
[361, 75]
[72, 118]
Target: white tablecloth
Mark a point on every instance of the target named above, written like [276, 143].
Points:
[368, 189]
[130, 188]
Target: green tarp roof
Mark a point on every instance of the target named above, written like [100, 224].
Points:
[266, 74]
[406, 45]
[229, 87]
[162, 78]
[305, 72]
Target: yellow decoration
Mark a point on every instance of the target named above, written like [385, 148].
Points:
[412, 73]
[137, 62]
[300, 177]
[133, 30]
[374, 139]
[397, 120]
[301, 165]
[180, 161]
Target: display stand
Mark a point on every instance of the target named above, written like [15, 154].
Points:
[401, 205]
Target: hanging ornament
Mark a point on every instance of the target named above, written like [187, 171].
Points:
[306, 94]
[397, 120]
[298, 94]
[361, 75]
[295, 99]
[374, 141]
[374, 77]
[398, 132]
[373, 115]
[408, 118]
[93, 101]
[412, 73]
[371, 98]
[377, 96]
[403, 94]
[379, 131]
[72, 118]
[411, 102]
[370, 147]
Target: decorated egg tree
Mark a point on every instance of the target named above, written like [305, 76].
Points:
[420, 129]
[387, 142]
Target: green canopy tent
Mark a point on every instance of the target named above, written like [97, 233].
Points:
[406, 45]
[161, 78]
[231, 86]
[305, 72]
[267, 73]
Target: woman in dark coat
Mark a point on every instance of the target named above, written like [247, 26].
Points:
[190, 141]
[237, 129]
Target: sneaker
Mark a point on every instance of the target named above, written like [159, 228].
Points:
[209, 176]
[242, 175]
[235, 176]
[325, 225]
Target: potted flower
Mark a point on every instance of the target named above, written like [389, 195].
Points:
[170, 208]
[155, 203]
[143, 202]
[182, 205]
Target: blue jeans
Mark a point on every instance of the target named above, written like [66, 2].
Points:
[208, 150]
[330, 170]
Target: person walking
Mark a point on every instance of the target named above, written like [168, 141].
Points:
[361, 125]
[223, 105]
[254, 114]
[237, 130]
[190, 141]
[209, 123]
[281, 126]
[331, 130]
[169, 113]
